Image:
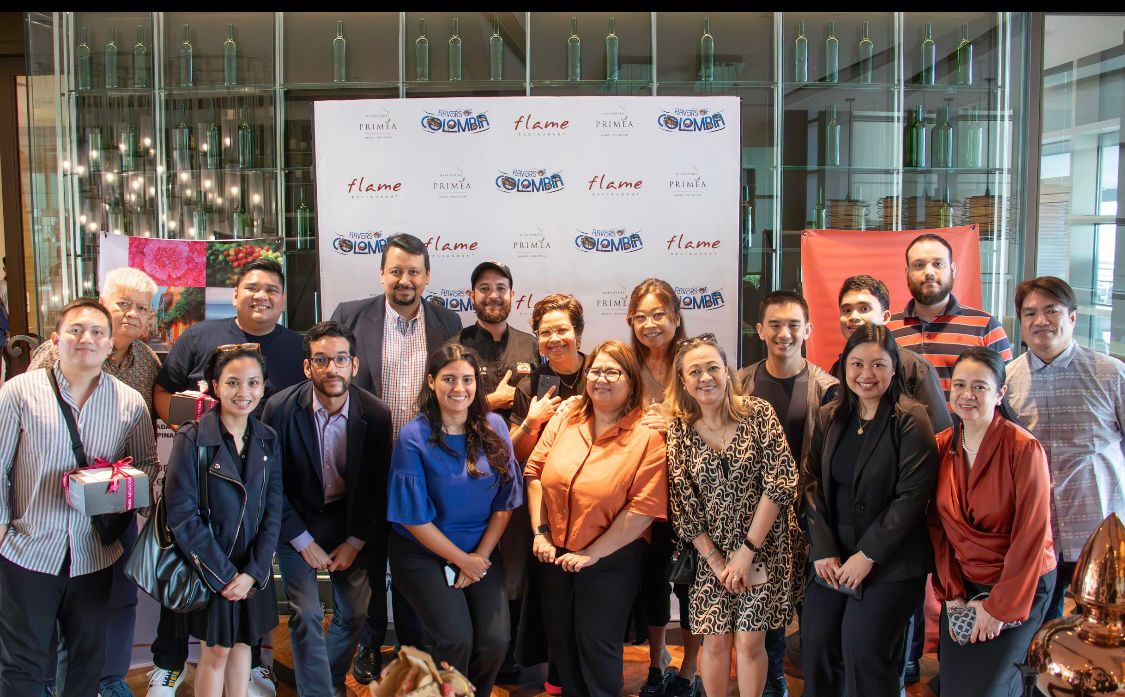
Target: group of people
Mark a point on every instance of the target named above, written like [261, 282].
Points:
[529, 496]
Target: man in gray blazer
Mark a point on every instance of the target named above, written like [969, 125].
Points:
[394, 334]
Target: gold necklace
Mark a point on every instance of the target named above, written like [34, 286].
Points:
[863, 424]
[721, 434]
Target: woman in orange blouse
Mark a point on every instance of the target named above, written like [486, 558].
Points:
[595, 483]
[991, 530]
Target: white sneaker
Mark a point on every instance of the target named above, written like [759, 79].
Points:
[163, 683]
[261, 682]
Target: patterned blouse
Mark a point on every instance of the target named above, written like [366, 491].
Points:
[138, 370]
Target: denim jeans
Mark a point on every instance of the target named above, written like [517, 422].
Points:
[321, 661]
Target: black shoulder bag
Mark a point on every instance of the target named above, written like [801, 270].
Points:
[109, 526]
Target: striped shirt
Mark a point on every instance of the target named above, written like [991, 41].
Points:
[944, 339]
[1075, 406]
[137, 370]
[35, 452]
[404, 365]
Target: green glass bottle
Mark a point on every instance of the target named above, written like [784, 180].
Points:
[140, 59]
[866, 56]
[612, 52]
[945, 210]
[972, 140]
[455, 52]
[199, 217]
[83, 63]
[116, 216]
[496, 53]
[965, 58]
[186, 75]
[181, 145]
[747, 217]
[230, 58]
[929, 56]
[943, 139]
[917, 137]
[831, 54]
[128, 147]
[574, 52]
[801, 54]
[820, 213]
[240, 220]
[422, 53]
[303, 219]
[245, 142]
[94, 149]
[706, 53]
[213, 141]
[339, 54]
[832, 139]
[112, 81]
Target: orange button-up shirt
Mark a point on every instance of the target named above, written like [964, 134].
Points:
[588, 482]
[992, 524]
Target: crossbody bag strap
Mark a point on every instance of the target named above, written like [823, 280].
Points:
[201, 465]
[71, 425]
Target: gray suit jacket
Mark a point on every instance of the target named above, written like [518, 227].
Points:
[366, 318]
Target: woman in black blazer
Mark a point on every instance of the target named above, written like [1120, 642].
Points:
[872, 467]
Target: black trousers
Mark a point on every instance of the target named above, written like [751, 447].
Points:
[470, 625]
[30, 605]
[584, 617]
[856, 647]
[409, 630]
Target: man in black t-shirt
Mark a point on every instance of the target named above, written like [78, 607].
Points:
[259, 298]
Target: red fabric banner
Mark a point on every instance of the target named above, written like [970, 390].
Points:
[828, 257]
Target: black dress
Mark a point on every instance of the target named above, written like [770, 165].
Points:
[224, 622]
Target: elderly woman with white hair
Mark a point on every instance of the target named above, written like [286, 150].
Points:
[128, 294]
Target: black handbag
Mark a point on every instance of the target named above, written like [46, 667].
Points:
[685, 563]
[159, 568]
[109, 526]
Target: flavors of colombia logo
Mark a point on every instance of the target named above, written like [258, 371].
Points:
[699, 298]
[609, 241]
[361, 243]
[456, 299]
[691, 120]
[524, 181]
[455, 121]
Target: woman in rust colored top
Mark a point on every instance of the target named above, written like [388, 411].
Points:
[595, 483]
[991, 529]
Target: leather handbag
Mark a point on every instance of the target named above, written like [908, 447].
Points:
[685, 563]
[157, 565]
[963, 619]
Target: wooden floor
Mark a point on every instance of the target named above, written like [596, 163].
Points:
[636, 667]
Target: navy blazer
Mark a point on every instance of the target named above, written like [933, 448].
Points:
[366, 318]
[894, 480]
[289, 413]
[253, 505]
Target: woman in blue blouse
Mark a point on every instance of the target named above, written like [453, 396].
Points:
[453, 484]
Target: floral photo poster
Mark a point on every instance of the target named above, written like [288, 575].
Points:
[194, 279]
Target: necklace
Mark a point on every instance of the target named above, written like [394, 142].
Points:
[864, 424]
[966, 448]
[570, 385]
[720, 434]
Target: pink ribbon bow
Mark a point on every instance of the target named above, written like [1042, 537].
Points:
[118, 473]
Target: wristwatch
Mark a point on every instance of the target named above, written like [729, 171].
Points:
[543, 529]
[751, 546]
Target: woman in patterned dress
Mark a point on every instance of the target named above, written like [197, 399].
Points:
[733, 483]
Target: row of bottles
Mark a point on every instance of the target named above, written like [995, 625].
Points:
[851, 213]
[938, 150]
[866, 55]
[211, 147]
[84, 62]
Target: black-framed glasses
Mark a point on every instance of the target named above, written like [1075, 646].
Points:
[340, 360]
[705, 338]
[239, 347]
[611, 375]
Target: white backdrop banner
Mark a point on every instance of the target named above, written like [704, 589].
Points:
[582, 195]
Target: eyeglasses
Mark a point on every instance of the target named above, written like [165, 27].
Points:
[548, 333]
[707, 338]
[640, 318]
[126, 305]
[226, 348]
[611, 375]
[340, 360]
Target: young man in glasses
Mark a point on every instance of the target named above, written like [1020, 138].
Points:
[336, 451]
[259, 299]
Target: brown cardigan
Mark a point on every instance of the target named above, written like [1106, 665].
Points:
[994, 529]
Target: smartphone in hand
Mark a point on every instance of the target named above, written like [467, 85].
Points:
[546, 382]
[450, 575]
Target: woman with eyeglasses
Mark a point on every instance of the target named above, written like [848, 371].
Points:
[655, 324]
[991, 530]
[733, 484]
[871, 467]
[231, 543]
[453, 484]
[595, 483]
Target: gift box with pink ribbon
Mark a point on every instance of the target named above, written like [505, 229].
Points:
[188, 405]
[107, 487]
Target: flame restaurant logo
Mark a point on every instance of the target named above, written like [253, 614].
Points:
[609, 241]
[683, 244]
[529, 181]
[691, 120]
[699, 298]
[532, 245]
[603, 185]
[529, 124]
[456, 299]
[451, 184]
[362, 188]
[362, 243]
[454, 121]
[614, 124]
[441, 246]
[377, 126]
[688, 183]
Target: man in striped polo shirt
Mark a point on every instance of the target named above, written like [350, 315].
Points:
[934, 324]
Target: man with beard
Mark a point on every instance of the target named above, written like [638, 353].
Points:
[934, 324]
[506, 357]
[395, 333]
[336, 450]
